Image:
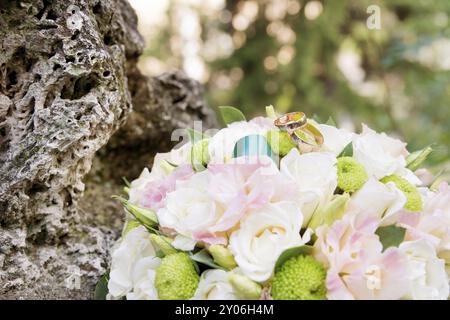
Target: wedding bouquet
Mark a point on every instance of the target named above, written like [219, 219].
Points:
[283, 207]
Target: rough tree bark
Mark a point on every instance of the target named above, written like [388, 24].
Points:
[68, 82]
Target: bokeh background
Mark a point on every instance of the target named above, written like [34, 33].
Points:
[315, 56]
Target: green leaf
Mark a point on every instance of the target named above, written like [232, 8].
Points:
[291, 253]
[348, 151]
[101, 289]
[127, 183]
[331, 122]
[391, 236]
[231, 114]
[415, 159]
[205, 258]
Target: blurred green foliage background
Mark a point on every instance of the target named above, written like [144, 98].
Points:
[319, 57]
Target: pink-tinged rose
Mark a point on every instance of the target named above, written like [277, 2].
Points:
[209, 204]
[357, 266]
[159, 172]
[245, 185]
[155, 191]
[189, 209]
[433, 223]
[383, 279]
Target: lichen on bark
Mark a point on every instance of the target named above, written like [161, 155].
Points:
[68, 82]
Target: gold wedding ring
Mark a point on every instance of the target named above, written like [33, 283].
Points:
[304, 134]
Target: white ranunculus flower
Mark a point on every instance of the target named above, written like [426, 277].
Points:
[263, 235]
[426, 271]
[189, 209]
[380, 154]
[315, 175]
[381, 200]
[132, 267]
[335, 140]
[221, 145]
[214, 285]
[175, 156]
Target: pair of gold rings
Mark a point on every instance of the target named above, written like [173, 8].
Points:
[305, 135]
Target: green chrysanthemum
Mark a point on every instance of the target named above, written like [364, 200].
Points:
[413, 198]
[351, 174]
[176, 278]
[300, 278]
[280, 142]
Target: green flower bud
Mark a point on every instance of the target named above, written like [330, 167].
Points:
[199, 152]
[245, 288]
[222, 256]
[414, 200]
[164, 243]
[351, 174]
[176, 278]
[300, 278]
[280, 142]
[145, 216]
[331, 212]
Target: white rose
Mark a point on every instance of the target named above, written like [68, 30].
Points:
[426, 271]
[189, 209]
[221, 145]
[263, 235]
[381, 155]
[315, 176]
[380, 200]
[175, 156]
[214, 285]
[335, 140]
[132, 267]
[143, 277]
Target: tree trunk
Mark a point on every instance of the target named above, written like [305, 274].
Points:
[68, 82]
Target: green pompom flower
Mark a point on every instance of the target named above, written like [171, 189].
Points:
[280, 142]
[413, 198]
[351, 174]
[176, 278]
[300, 278]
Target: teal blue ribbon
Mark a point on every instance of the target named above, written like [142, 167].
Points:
[253, 145]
